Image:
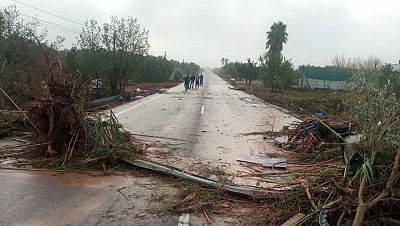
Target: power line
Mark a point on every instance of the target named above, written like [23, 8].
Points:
[51, 24]
[44, 11]
[60, 28]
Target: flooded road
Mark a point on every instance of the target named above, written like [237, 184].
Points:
[45, 198]
[204, 131]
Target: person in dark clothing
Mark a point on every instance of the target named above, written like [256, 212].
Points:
[197, 78]
[201, 79]
[187, 82]
[192, 80]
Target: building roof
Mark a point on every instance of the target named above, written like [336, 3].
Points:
[396, 67]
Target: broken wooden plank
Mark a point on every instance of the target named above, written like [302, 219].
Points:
[264, 161]
[292, 221]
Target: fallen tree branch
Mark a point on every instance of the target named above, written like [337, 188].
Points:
[208, 219]
[324, 124]
[363, 207]
[120, 191]
[15, 154]
[309, 196]
[27, 118]
[187, 199]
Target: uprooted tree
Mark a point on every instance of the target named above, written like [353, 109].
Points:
[55, 98]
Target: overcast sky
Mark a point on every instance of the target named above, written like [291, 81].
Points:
[204, 31]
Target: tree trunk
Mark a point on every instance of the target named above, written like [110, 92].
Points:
[115, 72]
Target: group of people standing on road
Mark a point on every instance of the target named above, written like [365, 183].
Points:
[193, 81]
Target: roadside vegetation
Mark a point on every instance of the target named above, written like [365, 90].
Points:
[367, 191]
[108, 56]
[328, 101]
[45, 88]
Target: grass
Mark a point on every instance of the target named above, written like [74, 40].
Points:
[322, 100]
[9, 119]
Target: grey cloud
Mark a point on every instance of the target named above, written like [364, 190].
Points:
[203, 31]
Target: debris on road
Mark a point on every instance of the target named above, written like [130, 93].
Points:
[266, 162]
[329, 182]
[293, 221]
[139, 91]
[202, 181]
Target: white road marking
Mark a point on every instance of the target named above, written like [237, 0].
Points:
[202, 109]
[184, 219]
[205, 94]
[140, 104]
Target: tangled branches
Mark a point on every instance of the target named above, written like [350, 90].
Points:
[59, 117]
[367, 191]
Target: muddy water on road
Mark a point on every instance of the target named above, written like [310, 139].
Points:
[44, 198]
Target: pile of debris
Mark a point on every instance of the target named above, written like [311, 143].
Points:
[314, 134]
[339, 189]
[61, 124]
[135, 92]
[139, 93]
[58, 111]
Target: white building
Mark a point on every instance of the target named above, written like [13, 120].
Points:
[396, 67]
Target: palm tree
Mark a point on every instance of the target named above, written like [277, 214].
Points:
[276, 37]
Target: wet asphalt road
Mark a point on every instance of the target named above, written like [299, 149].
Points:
[69, 199]
[210, 124]
[190, 130]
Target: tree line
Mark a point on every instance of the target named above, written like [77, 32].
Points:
[239, 70]
[278, 73]
[112, 54]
